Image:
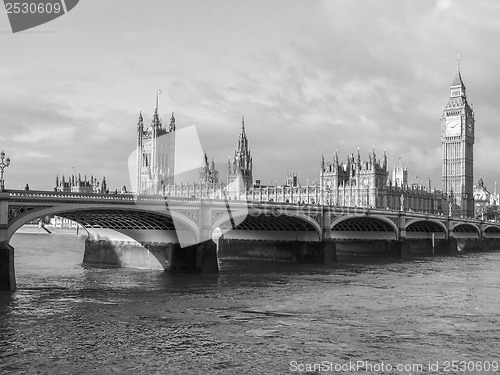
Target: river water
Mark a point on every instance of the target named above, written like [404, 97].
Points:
[254, 317]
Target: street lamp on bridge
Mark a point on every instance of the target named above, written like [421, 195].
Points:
[3, 165]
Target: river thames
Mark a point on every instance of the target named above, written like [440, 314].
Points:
[255, 317]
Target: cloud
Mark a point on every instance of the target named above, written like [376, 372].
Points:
[442, 5]
[308, 77]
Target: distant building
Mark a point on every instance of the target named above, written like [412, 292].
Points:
[485, 203]
[75, 184]
[61, 222]
[208, 173]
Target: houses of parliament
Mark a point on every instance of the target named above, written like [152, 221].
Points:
[354, 181]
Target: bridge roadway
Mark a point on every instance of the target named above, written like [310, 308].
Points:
[176, 233]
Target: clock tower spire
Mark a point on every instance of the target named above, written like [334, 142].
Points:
[457, 140]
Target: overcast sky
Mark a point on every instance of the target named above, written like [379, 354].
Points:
[310, 77]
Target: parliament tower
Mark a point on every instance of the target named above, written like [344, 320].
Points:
[239, 170]
[457, 139]
[155, 154]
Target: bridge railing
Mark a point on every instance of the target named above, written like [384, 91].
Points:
[234, 199]
[243, 199]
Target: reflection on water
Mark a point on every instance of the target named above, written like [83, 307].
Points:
[254, 317]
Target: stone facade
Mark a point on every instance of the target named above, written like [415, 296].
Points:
[368, 183]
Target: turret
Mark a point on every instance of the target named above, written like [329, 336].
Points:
[140, 129]
[155, 123]
[104, 186]
[171, 127]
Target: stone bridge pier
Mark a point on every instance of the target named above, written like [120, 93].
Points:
[176, 248]
[7, 273]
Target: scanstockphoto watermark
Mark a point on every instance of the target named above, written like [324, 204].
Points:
[447, 366]
[357, 366]
[26, 14]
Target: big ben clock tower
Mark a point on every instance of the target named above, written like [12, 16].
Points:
[457, 139]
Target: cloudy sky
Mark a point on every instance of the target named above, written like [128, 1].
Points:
[310, 77]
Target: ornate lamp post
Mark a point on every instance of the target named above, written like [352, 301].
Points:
[3, 165]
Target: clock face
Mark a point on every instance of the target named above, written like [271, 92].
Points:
[453, 126]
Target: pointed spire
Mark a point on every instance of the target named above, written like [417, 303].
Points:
[155, 121]
[243, 125]
[458, 77]
[158, 92]
[204, 162]
[172, 123]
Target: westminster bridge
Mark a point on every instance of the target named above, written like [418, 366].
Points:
[176, 234]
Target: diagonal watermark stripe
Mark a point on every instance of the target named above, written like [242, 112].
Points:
[188, 155]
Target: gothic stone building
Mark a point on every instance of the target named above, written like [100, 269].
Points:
[368, 183]
[155, 154]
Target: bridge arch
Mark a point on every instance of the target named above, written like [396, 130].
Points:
[364, 227]
[268, 223]
[492, 231]
[425, 228]
[140, 224]
[465, 230]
